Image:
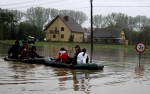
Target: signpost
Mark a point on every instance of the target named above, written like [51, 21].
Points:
[140, 48]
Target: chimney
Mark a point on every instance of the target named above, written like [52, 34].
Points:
[66, 18]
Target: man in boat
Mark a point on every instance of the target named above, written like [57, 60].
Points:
[74, 59]
[33, 54]
[13, 51]
[63, 56]
[82, 57]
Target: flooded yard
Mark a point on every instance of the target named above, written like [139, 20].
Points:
[122, 74]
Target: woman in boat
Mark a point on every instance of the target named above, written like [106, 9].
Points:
[13, 51]
[82, 57]
[33, 54]
[74, 59]
[62, 56]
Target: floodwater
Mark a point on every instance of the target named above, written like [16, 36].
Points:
[122, 74]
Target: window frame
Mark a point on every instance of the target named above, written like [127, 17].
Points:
[62, 29]
[62, 36]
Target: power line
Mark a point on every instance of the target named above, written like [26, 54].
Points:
[41, 4]
[59, 3]
[122, 6]
[20, 3]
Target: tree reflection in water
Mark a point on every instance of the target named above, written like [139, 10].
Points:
[20, 69]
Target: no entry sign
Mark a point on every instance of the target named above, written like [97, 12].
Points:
[140, 47]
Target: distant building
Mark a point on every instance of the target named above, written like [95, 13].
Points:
[109, 35]
[64, 29]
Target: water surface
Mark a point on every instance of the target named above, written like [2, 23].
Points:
[122, 74]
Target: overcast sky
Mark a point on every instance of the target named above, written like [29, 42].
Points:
[103, 7]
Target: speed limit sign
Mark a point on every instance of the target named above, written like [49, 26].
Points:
[140, 47]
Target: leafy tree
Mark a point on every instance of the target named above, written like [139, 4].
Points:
[145, 35]
[26, 29]
[6, 25]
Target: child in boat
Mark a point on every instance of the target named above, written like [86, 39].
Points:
[13, 51]
[33, 54]
[63, 56]
[82, 57]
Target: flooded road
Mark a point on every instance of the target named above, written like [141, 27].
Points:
[121, 75]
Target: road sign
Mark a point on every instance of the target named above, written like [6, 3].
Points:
[140, 47]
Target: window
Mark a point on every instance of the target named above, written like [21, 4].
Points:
[54, 36]
[62, 36]
[73, 36]
[62, 28]
[51, 31]
[55, 28]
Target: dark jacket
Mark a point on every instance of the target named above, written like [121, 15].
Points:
[33, 54]
[14, 51]
[74, 61]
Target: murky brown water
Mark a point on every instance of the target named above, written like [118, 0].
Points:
[121, 74]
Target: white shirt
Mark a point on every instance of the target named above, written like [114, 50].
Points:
[81, 59]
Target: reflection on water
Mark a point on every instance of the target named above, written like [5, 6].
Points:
[81, 79]
[21, 70]
[121, 73]
[139, 70]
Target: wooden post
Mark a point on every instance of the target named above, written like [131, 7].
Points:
[91, 1]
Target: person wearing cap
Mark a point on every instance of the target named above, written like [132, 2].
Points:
[62, 56]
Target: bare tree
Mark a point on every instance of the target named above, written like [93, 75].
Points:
[141, 21]
[99, 21]
[79, 16]
[111, 19]
[37, 16]
[18, 15]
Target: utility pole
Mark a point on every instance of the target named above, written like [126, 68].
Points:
[91, 2]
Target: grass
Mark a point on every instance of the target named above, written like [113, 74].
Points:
[73, 44]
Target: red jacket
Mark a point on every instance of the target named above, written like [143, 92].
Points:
[63, 57]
